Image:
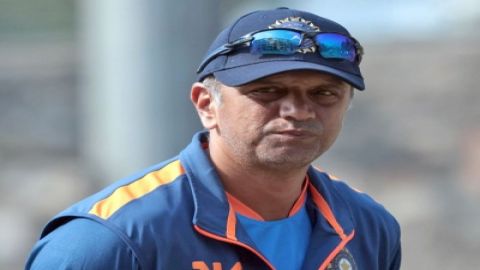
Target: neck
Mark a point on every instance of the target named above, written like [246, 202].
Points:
[271, 192]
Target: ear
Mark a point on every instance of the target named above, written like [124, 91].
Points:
[204, 102]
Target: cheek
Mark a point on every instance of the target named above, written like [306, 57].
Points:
[333, 120]
[246, 113]
[232, 117]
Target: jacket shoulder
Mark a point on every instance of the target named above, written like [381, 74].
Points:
[376, 229]
[116, 200]
[137, 209]
[365, 210]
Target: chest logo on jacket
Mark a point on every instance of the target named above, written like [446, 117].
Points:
[343, 261]
[201, 265]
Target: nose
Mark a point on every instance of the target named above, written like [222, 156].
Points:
[297, 108]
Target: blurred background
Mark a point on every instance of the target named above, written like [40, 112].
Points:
[91, 91]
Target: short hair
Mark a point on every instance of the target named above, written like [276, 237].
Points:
[213, 87]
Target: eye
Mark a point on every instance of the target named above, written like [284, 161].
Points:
[266, 93]
[325, 96]
[266, 90]
[326, 93]
[323, 93]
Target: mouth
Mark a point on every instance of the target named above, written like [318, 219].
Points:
[296, 133]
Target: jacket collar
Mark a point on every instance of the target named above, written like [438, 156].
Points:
[333, 207]
[211, 205]
[213, 213]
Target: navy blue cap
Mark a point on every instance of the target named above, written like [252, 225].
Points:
[240, 66]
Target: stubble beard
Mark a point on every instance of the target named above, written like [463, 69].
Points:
[266, 154]
[281, 157]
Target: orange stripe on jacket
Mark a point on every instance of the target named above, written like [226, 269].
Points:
[125, 194]
[337, 250]
[231, 224]
[301, 200]
[242, 208]
[246, 211]
[333, 177]
[326, 211]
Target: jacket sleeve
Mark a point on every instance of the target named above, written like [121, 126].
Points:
[395, 265]
[81, 244]
[397, 253]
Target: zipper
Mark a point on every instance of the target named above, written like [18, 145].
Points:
[235, 242]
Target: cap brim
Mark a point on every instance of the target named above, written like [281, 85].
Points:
[244, 74]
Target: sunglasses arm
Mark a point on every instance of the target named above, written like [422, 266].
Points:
[224, 49]
[360, 51]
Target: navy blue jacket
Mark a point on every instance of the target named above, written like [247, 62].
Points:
[175, 215]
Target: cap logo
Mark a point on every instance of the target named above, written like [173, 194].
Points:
[299, 24]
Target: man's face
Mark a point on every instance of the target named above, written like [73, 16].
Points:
[284, 121]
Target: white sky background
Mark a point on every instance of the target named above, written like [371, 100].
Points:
[383, 20]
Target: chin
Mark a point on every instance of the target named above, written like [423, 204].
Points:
[288, 160]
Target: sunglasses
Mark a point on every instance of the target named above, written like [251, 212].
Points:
[288, 42]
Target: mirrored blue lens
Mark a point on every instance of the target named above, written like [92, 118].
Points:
[275, 42]
[336, 46]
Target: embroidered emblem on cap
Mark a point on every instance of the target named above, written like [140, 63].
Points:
[343, 261]
[299, 24]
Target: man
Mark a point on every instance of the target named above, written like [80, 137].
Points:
[272, 93]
